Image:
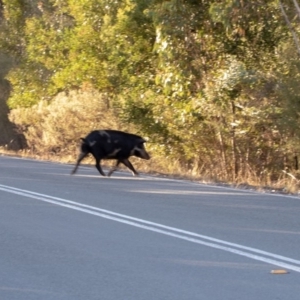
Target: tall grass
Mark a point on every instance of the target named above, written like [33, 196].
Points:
[56, 127]
[53, 130]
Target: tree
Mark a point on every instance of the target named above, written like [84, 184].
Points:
[210, 82]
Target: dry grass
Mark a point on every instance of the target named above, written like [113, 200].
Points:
[53, 132]
[56, 127]
[162, 167]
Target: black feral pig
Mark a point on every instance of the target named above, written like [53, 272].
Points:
[112, 144]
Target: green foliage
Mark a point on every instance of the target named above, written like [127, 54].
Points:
[213, 84]
[58, 126]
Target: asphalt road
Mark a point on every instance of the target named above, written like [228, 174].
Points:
[87, 237]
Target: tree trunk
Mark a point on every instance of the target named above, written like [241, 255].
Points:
[9, 137]
[233, 144]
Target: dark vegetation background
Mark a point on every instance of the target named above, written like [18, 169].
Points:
[213, 85]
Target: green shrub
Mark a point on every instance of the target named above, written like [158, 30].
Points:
[56, 127]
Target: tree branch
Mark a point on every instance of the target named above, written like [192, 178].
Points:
[296, 40]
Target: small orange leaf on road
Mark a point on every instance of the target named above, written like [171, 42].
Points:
[279, 272]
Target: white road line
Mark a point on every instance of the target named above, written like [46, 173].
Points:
[249, 252]
[180, 181]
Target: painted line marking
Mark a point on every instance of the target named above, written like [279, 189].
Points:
[252, 253]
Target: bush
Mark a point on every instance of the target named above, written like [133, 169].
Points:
[56, 127]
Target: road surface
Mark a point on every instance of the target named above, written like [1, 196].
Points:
[122, 238]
